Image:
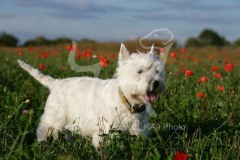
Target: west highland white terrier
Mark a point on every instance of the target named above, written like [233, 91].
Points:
[92, 106]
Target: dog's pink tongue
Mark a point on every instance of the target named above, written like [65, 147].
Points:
[150, 97]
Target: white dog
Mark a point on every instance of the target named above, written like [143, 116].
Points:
[93, 106]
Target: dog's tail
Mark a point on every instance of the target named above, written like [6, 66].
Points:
[45, 80]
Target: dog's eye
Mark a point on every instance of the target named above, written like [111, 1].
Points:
[140, 71]
[157, 72]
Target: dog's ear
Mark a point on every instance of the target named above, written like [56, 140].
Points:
[123, 53]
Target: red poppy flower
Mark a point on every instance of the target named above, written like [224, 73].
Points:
[214, 68]
[37, 56]
[228, 67]
[78, 54]
[183, 69]
[45, 55]
[198, 81]
[220, 88]
[210, 57]
[20, 53]
[173, 55]
[181, 156]
[197, 61]
[112, 55]
[103, 61]
[87, 53]
[204, 79]
[183, 50]
[217, 75]
[69, 47]
[42, 66]
[189, 73]
[201, 95]
[161, 50]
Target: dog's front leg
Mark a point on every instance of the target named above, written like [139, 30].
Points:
[96, 139]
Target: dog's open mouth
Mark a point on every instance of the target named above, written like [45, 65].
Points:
[151, 96]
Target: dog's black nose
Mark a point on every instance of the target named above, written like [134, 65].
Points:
[155, 84]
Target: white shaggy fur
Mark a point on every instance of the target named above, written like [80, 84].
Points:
[91, 106]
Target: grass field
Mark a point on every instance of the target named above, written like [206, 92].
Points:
[198, 114]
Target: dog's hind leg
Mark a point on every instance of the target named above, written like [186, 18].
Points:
[48, 127]
[53, 119]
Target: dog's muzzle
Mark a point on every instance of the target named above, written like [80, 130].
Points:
[156, 85]
[152, 91]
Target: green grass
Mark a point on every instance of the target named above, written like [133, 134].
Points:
[207, 128]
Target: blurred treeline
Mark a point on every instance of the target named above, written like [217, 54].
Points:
[207, 37]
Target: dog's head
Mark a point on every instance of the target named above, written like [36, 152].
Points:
[140, 75]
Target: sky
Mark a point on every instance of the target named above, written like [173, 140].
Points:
[109, 20]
